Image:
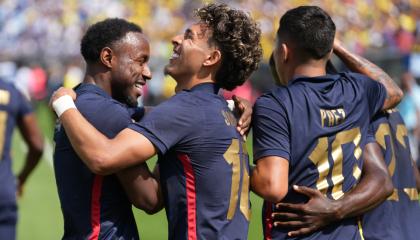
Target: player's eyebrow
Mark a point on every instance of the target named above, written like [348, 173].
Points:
[188, 32]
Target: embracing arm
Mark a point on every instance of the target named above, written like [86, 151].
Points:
[374, 187]
[142, 187]
[269, 178]
[101, 155]
[361, 65]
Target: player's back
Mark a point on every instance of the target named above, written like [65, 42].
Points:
[399, 216]
[318, 125]
[13, 106]
[93, 206]
[203, 164]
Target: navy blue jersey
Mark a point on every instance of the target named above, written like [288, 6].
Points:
[319, 125]
[93, 206]
[13, 107]
[203, 165]
[399, 216]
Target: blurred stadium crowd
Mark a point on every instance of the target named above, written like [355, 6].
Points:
[39, 39]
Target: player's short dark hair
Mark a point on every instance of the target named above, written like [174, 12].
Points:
[104, 34]
[310, 28]
[238, 38]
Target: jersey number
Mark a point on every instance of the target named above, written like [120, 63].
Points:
[3, 123]
[319, 157]
[239, 164]
[401, 132]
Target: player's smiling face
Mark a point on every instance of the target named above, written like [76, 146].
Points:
[189, 52]
[130, 70]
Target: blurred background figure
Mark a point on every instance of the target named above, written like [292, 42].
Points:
[15, 111]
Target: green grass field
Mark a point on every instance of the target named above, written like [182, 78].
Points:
[40, 216]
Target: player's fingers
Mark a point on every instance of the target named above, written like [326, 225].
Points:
[245, 108]
[305, 190]
[285, 216]
[290, 224]
[290, 207]
[301, 231]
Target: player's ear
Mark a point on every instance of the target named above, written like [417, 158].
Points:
[106, 56]
[213, 58]
[286, 52]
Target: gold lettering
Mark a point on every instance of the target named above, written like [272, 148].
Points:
[323, 117]
[4, 97]
[320, 158]
[330, 118]
[412, 193]
[394, 196]
[401, 133]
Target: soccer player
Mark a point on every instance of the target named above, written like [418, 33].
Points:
[97, 207]
[311, 132]
[15, 110]
[203, 163]
[396, 218]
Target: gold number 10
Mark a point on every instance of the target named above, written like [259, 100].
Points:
[239, 164]
[319, 157]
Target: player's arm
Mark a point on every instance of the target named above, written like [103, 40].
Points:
[32, 136]
[269, 178]
[374, 187]
[142, 187]
[101, 155]
[361, 65]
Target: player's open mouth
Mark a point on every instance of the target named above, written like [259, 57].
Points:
[139, 87]
[174, 56]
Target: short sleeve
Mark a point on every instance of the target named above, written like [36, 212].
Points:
[270, 129]
[167, 124]
[376, 95]
[136, 113]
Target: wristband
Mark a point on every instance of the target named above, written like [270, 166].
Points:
[63, 104]
[231, 104]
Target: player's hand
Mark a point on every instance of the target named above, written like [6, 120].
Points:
[244, 108]
[61, 92]
[19, 188]
[307, 217]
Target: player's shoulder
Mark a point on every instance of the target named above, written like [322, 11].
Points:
[277, 96]
[8, 86]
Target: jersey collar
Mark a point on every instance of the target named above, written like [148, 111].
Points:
[321, 80]
[89, 87]
[206, 87]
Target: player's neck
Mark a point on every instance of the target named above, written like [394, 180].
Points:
[310, 69]
[96, 76]
[192, 82]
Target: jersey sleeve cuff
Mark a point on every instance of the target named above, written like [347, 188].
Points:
[160, 145]
[279, 153]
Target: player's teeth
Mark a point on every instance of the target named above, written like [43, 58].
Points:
[175, 55]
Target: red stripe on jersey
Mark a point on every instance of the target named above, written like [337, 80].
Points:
[268, 221]
[191, 197]
[95, 208]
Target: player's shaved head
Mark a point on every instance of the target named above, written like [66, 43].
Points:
[105, 34]
[310, 29]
